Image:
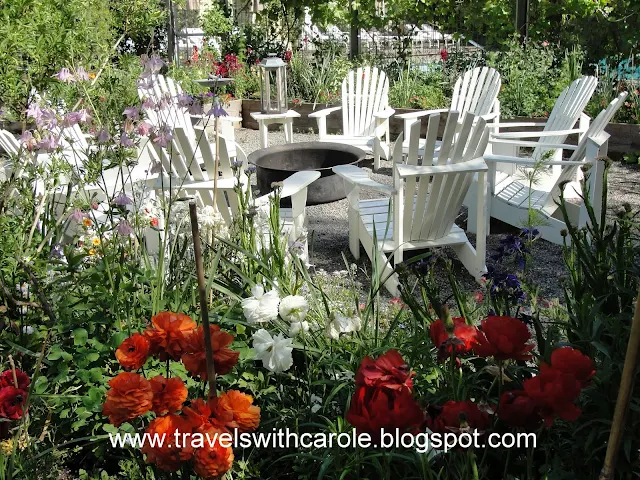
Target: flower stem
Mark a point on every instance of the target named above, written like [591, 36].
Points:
[202, 290]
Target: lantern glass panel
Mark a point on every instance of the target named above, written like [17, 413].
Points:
[273, 85]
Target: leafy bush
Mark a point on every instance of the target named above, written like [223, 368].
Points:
[415, 89]
[530, 79]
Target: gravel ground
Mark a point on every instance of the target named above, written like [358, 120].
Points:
[329, 232]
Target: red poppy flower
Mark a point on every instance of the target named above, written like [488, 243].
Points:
[462, 341]
[454, 413]
[133, 351]
[224, 359]
[168, 394]
[554, 393]
[388, 371]
[375, 408]
[519, 410]
[6, 379]
[503, 338]
[12, 402]
[169, 333]
[572, 361]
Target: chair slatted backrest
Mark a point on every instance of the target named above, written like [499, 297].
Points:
[596, 128]
[364, 93]
[439, 197]
[566, 112]
[476, 91]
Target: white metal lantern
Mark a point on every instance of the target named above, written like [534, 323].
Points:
[273, 85]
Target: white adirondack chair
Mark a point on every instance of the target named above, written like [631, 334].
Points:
[567, 111]
[424, 201]
[173, 115]
[476, 92]
[512, 197]
[365, 113]
[189, 179]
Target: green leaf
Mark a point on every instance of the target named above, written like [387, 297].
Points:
[80, 336]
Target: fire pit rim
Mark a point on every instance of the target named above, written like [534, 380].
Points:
[256, 155]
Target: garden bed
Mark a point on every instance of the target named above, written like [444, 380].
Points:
[625, 137]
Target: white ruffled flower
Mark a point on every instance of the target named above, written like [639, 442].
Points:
[294, 308]
[274, 352]
[342, 324]
[27, 330]
[212, 221]
[316, 403]
[296, 327]
[262, 307]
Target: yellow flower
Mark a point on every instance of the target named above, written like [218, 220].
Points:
[92, 76]
[86, 222]
[91, 251]
[6, 447]
[95, 241]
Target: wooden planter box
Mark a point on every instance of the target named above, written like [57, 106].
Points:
[625, 137]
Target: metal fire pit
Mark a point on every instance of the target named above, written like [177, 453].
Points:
[276, 163]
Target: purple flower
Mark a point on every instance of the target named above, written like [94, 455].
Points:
[81, 74]
[163, 137]
[156, 167]
[185, 100]
[34, 111]
[27, 140]
[65, 76]
[57, 251]
[217, 110]
[103, 136]
[196, 107]
[121, 200]
[70, 119]
[48, 119]
[148, 103]
[78, 215]
[48, 143]
[125, 141]
[144, 128]
[124, 228]
[83, 115]
[132, 113]
[153, 64]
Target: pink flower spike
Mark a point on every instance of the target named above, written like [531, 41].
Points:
[81, 74]
[65, 76]
[144, 128]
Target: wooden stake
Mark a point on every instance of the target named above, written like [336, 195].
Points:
[624, 396]
[202, 290]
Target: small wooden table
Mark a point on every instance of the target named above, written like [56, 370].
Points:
[266, 119]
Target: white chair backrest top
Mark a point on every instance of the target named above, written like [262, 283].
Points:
[438, 190]
[476, 91]
[364, 93]
[566, 112]
[596, 128]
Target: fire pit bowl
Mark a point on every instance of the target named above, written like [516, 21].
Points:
[274, 164]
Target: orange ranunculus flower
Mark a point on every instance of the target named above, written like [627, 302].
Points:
[129, 397]
[197, 414]
[195, 359]
[168, 334]
[239, 406]
[170, 455]
[133, 352]
[168, 394]
[212, 461]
